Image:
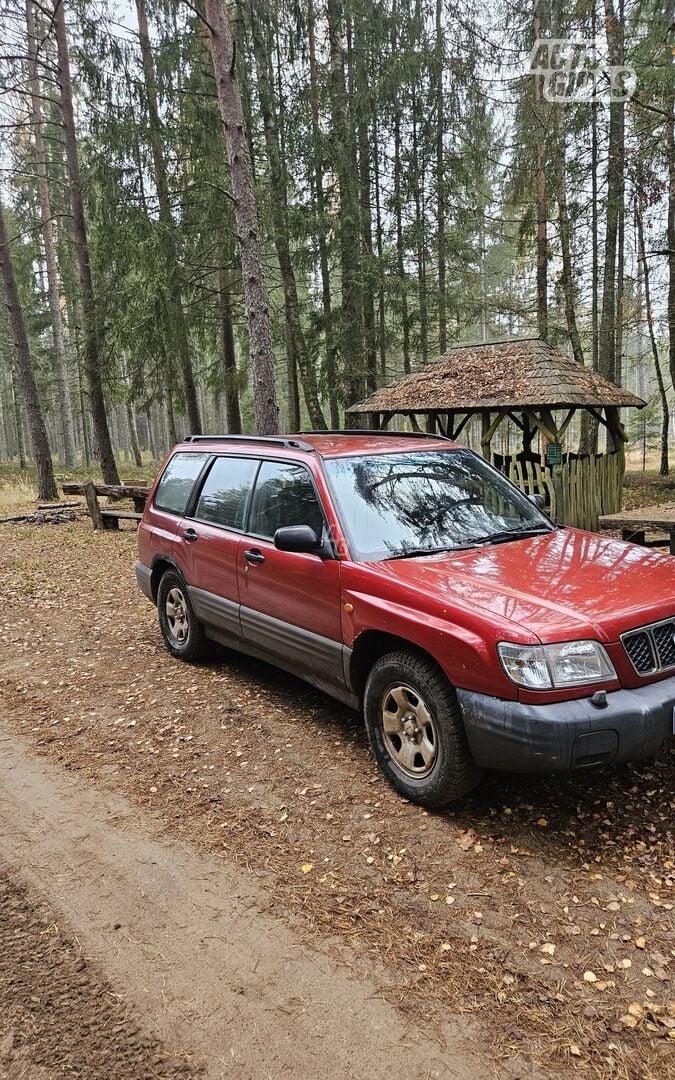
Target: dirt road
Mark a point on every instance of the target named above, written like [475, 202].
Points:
[529, 932]
[187, 942]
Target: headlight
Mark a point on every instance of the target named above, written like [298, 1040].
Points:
[548, 667]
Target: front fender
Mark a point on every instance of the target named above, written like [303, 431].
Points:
[468, 660]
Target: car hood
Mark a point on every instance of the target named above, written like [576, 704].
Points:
[566, 583]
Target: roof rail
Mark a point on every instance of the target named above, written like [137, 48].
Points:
[266, 440]
[376, 431]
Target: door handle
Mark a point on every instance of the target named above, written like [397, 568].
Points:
[190, 536]
[254, 555]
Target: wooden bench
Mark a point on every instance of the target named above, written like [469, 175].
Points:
[110, 518]
[635, 524]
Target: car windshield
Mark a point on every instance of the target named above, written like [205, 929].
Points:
[415, 503]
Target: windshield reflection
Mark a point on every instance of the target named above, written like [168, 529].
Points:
[401, 504]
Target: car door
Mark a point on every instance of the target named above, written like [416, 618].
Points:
[207, 542]
[290, 601]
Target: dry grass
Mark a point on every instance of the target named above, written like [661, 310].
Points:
[16, 493]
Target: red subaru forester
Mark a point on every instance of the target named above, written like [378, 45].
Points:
[406, 576]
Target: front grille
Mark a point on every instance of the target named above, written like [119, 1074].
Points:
[664, 638]
[651, 648]
[640, 652]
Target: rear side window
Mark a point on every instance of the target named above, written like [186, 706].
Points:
[225, 492]
[178, 479]
[284, 495]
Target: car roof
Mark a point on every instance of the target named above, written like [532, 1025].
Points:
[326, 444]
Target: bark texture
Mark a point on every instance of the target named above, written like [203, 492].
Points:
[607, 364]
[67, 427]
[92, 364]
[246, 217]
[229, 356]
[344, 156]
[25, 373]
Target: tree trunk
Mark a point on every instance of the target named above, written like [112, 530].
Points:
[542, 239]
[420, 229]
[400, 250]
[18, 422]
[381, 304]
[170, 416]
[365, 107]
[331, 352]
[67, 430]
[133, 435]
[178, 328]
[92, 359]
[615, 165]
[670, 235]
[246, 218]
[567, 274]
[295, 335]
[589, 425]
[24, 367]
[665, 412]
[229, 357]
[440, 183]
[344, 156]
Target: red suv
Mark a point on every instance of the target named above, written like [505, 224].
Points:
[406, 576]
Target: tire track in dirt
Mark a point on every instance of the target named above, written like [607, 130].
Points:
[58, 1014]
[184, 938]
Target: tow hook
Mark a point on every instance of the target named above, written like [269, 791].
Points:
[599, 699]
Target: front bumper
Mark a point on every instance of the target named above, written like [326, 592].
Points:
[569, 734]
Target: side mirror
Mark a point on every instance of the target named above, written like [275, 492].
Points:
[538, 500]
[298, 538]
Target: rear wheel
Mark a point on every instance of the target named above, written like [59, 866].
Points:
[182, 631]
[416, 731]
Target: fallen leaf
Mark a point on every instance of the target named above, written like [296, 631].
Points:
[628, 1021]
[549, 948]
[306, 867]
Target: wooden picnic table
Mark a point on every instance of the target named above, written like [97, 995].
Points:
[634, 524]
[109, 518]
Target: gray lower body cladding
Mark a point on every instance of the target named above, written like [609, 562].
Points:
[144, 579]
[319, 660]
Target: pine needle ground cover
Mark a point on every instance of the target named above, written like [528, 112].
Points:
[543, 909]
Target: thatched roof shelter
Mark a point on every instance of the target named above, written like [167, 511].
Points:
[518, 374]
[532, 384]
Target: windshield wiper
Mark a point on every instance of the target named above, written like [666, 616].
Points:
[512, 534]
[416, 552]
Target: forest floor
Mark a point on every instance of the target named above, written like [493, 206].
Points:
[209, 874]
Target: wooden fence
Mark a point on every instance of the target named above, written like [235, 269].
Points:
[578, 491]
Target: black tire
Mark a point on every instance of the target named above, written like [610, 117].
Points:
[189, 642]
[434, 778]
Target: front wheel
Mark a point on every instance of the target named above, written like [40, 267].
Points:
[416, 731]
[182, 631]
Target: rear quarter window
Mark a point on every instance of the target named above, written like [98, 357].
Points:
[178, 479]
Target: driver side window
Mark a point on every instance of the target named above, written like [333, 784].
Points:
[284, 495]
